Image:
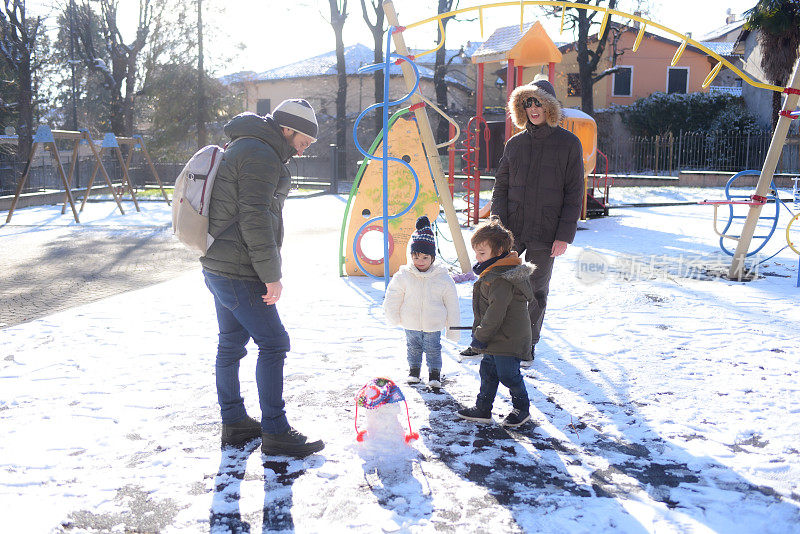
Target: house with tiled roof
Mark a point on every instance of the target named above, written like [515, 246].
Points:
[315, 79]
[744, 51]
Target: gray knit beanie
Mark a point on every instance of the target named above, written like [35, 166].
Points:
[298, 115]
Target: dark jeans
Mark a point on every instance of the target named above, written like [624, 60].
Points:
[242, 315]
[504, 370]
[428, 342]
[539, 255]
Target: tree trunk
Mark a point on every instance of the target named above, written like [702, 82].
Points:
[585, 70]
[202, 134]
[341, 106]
[439, 74]
[378, 77]
[440, 87]
[25, 118]
[338, 16]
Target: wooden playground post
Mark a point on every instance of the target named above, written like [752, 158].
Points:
[767, 172]
[98, 156]
[71, 172]
[429, 142]
[138, 141]
[44, 135]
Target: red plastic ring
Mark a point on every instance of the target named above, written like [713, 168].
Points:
[361, 252]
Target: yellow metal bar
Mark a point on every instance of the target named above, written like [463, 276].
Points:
[789, 241]
[747, 79]
[639, 37]
[711, 75]
[561, 29]
[678, 53]
[441, 42]
[603, 24]
[480, 16]
[521, 14]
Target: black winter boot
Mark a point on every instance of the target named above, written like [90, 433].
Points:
[289, 443]
[413, 376]
[240, 431]
[475, 414]
[434, 379]
[516, 418]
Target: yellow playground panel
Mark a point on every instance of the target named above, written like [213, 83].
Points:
[404, 143]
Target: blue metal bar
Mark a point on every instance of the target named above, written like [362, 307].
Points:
[386, 66]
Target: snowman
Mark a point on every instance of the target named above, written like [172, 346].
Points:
[381, 398]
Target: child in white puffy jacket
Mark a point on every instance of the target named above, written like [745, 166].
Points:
[422, 298]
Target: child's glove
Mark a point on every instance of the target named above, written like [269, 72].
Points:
[477, 344]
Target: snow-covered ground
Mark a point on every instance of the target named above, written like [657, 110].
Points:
[664, 399]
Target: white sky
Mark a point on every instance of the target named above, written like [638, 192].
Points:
[279, 32]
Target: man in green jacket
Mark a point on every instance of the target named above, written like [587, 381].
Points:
[242, 269]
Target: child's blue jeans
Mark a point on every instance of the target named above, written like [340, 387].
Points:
[427, 342]
[504, 370]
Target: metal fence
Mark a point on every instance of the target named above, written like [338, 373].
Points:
[45, 176]
[659, 155]
[711, 151]
[307, 173]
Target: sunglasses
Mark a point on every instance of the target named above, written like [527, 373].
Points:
[531, 101]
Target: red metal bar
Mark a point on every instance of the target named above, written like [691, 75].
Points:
[722, 202]
[519, 75]
[551, 72]
[510, 86]
[451, 157]
[479, 97]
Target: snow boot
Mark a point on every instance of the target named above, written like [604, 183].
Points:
[289, 443]
[413, 376]
[434, 379]
[475, 414]
[241, 431]
[516, 418]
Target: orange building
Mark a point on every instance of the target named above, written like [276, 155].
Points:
[641, 73]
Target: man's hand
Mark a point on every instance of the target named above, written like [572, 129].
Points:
[273, 292]
[559, 247]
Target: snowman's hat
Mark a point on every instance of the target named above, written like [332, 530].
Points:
[379, 392]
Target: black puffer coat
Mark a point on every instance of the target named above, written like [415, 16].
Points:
[538, 192]
[252, 183]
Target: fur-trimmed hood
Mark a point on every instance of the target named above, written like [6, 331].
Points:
[514, 271]
[550, 105]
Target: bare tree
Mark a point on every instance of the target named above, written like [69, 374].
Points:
[440, 69]
[202, 104]
[378, 32]
[123, 57]
[18, 35]
[338, 16]
[589, 57]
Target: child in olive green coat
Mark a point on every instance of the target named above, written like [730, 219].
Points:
[501, 329]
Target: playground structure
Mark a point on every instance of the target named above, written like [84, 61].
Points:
[48, 140]
[395, 33]
[112, 142]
